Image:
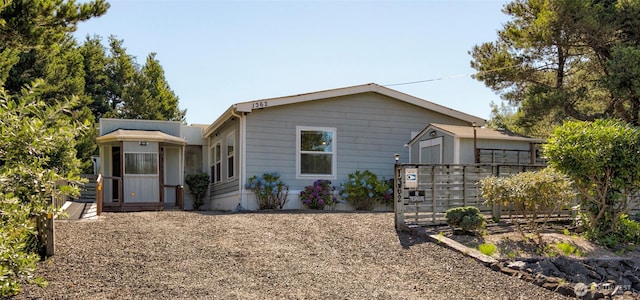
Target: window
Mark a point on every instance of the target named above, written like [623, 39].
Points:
[316, 153]
[215, 167]
[231, 144]
[141, 163]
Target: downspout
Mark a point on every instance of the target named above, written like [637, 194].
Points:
[241, 158]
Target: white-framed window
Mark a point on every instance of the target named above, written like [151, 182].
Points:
[141, 163]
[217, 159]
[316, 152]
[231, 150]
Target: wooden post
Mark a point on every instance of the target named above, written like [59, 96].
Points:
[464, 185]
[398, 205]
[50, 233]
[99, 194]
[433, 194]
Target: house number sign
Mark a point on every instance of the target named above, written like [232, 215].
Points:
[260, 104]
[411, 178]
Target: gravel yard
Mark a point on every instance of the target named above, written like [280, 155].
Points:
[279, 255]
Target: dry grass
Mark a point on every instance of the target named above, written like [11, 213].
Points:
[282, 255]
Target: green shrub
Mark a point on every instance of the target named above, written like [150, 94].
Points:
[363, 190]
[468, 218]
[629, 230]
[568, 249]
[601, 157]
[487, 249]
[198, 185]
[533, 195]
[270, 191]
[627, 234]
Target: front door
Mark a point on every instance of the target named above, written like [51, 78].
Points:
[172, 171]
[116, 171]
[431, 151]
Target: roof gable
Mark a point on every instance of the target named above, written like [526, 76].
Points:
[126, 135]
[468, 132]
[247, 107]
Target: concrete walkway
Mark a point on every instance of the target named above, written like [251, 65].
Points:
[79, 210]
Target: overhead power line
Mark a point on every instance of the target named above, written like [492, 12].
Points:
[448, 77]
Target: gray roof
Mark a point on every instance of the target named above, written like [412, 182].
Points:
[247, 107]
[480, 133]
[122, 135]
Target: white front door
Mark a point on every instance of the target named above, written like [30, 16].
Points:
[172, 171]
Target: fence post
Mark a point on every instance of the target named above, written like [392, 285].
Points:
[433, 194]
[464, 185]
[99, 194]
[398, 205]
[180, 196]
[50, 234]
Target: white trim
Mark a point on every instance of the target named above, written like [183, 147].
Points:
[333, 153]
[437, 141]
[456, 150]
[242, 166]
[235, 150]
[214, 178]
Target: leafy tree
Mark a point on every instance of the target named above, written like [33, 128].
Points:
[601, 157]
[37, 150]
[121, 70]
[150, 96]
[33, 29]
[35, 43]
[96, 77]
[560, 59]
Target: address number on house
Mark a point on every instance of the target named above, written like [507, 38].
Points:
[260, 104]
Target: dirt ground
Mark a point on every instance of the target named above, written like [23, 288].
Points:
[512, 244]
[277, 255]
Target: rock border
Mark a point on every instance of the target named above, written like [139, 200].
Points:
[532, 270]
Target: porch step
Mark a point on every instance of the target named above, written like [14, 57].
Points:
[88, 190]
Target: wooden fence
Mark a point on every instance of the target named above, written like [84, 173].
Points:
[425, 192]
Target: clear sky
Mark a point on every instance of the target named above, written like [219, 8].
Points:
[217, 53]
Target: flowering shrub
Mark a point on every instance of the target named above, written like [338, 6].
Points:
[318, 195]
[387, 195]
[363, 190]
[270, 191]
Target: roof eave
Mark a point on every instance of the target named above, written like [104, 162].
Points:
[218, 122]
[364, 88]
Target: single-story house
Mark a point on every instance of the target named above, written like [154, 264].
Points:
[361, 128]
[144, 162]
[455, 144]
[320, 135]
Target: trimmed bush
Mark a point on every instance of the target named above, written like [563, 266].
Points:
[534, 195]
[198, 185]
[468, 218]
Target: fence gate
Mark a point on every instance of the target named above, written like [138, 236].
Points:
[424, 192]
